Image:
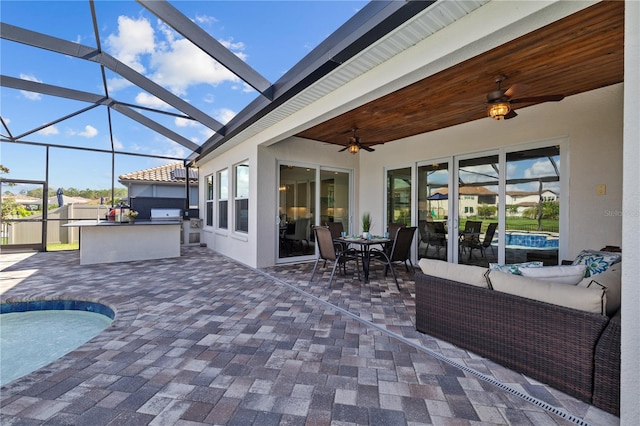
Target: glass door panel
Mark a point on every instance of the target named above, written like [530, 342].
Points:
[433, 210]
[334, 198]
[533, 205]
[477, 209]
[399, 196]
[296, 212]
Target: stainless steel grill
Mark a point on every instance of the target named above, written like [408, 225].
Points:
[166, 214]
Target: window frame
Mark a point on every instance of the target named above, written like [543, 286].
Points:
[209, 199]
[241, 198]
[222, 199]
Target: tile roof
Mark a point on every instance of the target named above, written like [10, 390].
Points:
[469, 190]
[168, 173]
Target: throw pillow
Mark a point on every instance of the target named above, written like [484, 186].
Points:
[571, 274]
[514, 268]
[611, 281]
[596, 261]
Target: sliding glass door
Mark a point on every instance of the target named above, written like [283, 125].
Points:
[309, 196]
[533, 205]
[477, 209]
[296, 211]
[334, 198]
[433, 210]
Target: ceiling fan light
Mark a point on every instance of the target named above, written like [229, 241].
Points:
[354, 148]
[498, 110]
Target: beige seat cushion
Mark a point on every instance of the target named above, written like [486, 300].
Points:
[468, 274]
[611, 280]
[592, 299]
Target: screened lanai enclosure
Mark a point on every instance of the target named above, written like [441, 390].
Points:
[109, 88]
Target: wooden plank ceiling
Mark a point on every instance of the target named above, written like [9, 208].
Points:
[579, 53]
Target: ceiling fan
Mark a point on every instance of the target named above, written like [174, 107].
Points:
[500, 101]
[355, 144]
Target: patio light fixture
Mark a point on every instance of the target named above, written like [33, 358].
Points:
[354, 148]
[498, 110]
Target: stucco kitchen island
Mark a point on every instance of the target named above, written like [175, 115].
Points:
[107, 242]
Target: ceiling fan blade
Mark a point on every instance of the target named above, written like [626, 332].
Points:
[344, 149]
[366, 148]
[511, 91]
[510, 114]
[548, 98]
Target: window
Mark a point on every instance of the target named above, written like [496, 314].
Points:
[241, 197]
[223, 199]
[209, 200]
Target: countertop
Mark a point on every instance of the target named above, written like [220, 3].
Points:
[92, 222]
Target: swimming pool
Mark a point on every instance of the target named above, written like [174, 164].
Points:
[535, 240]
[36, 333]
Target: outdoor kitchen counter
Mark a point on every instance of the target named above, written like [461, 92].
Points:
[107, 242]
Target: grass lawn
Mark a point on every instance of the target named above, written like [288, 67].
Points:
[61, 247]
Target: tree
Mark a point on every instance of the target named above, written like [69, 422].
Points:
[486, 211]
[11, 208]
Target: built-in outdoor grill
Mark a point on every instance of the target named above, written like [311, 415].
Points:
[166, 214]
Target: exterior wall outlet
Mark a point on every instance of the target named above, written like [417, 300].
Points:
[601, 189]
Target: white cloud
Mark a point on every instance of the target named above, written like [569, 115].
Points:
[185, 65]
[88, 132]
[32, 96]
[135, 38]
[117, 144]
[205, 19]
[206, 133]
[151, 101]
[184, 122]
[50, 130]
[540, 168]
[224, 115]
[117, 83]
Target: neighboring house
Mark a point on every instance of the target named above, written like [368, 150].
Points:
[523, 200]
[469, 199]
[66, 200]
[29, 203]
[167, 181]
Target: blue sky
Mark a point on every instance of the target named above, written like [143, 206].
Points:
[271, 36]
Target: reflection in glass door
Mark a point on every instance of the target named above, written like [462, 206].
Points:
[399, 196]
[296, 211]
[433, 210]
[334, 198]
[477, 209]
[533, 205]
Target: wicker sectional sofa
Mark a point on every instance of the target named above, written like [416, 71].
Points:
[571, 350]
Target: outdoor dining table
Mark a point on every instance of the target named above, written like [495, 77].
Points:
[365, 245]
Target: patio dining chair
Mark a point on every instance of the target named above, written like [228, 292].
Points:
[486, 242]
[337, 229]
[329, 251]
[470, 236]
[433, 234]
[400, 252]
[300, 234]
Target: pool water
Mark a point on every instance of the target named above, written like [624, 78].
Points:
[32, 339]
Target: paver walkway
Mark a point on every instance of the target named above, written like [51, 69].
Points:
[202, 339]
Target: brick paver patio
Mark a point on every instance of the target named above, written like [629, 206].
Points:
[202, 339]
